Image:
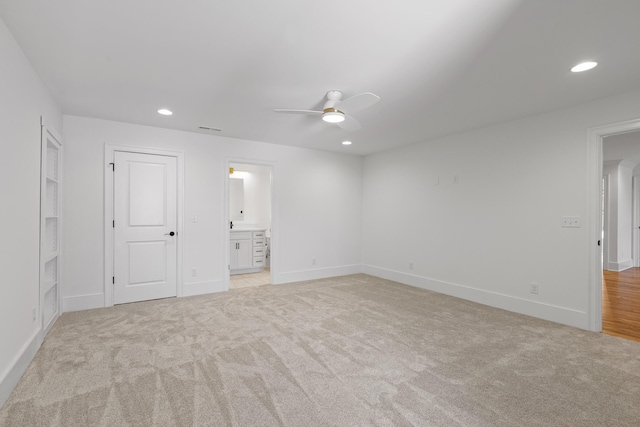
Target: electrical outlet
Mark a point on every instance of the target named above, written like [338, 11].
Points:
[194, 272]
[534, 288]
[411, 266]
[456, 179]
[313, 261]
[33, 314]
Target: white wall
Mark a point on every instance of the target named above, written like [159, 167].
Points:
[317, 206]
[24, 99]
[257, 196]
[610, 242]
[625, 197]
[618, 220]
[625, 146]
[488, 237]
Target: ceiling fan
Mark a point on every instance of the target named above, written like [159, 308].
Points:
[336, 110]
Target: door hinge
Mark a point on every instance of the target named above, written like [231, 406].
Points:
[113, 166]
[114, 224]
[113, 280]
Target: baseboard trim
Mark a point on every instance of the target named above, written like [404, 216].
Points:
[20, 364]
[82, 302]
[620, 266]
[200, 288]
[563, 315]
[317, 273]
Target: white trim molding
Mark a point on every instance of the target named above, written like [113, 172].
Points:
[317, 273]
[566, 316]
[620, 266]
[201, 288]
[82, 302]
[10, 378]
[594, 214]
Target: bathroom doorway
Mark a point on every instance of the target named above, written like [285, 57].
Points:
[250, 224]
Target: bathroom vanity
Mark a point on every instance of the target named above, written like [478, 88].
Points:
[247, 251]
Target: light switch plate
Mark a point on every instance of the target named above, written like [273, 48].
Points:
[570, 222]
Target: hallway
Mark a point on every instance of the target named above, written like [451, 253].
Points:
[621, 303]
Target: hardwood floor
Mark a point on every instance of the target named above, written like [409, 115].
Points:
[621, 303]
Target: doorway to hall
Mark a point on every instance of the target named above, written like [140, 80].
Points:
[621, 303]
[250, 217]
[621, 235]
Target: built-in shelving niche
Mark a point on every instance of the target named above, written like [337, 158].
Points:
[50, 229]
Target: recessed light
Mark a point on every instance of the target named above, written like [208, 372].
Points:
[165, 112]
[346, 142]
[584, 66]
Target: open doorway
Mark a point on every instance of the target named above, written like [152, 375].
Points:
[250, 216]
[621, 274]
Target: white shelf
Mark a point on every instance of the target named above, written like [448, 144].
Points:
[50, 211]
[52, 161]
[50, 256]
[48, 286]
[51, 198]
[50, 305]
[51, 235]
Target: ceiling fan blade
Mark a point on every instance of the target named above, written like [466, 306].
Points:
[357, 102]
[349, 123]
[284, 110]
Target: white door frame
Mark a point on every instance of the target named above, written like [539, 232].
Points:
[594, 213]
[109, 152]
[273, 263]
[635, 223]
[606, 179]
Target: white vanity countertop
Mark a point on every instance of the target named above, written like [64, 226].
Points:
[247, 229]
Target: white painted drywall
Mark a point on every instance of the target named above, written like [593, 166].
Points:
[625, 214]
[625, 146]
[24, 99]
[610, 170]
[496, 231]
[257, 196]
[317, 196]
[620, 214]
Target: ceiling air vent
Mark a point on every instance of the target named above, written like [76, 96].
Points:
[209, 128]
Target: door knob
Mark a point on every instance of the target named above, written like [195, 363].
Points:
[170, 234]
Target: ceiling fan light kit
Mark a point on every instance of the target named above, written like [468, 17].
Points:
[336, 111]
[331, 115]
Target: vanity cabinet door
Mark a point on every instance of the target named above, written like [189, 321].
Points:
[244, 254]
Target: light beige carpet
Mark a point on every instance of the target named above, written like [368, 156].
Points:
[350, 351]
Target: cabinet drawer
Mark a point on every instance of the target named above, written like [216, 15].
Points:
[237, 235]
[258, 235]
[258, 251]
[258, 242]
[258, 262]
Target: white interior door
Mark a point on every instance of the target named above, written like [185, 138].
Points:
[145, 213]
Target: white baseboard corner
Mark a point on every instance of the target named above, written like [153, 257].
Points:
[82, 302]
[317, 273]
[620, 266]
[201, 288]
[563, 315]
[17, 369]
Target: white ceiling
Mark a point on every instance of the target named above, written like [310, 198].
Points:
[440, 66]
